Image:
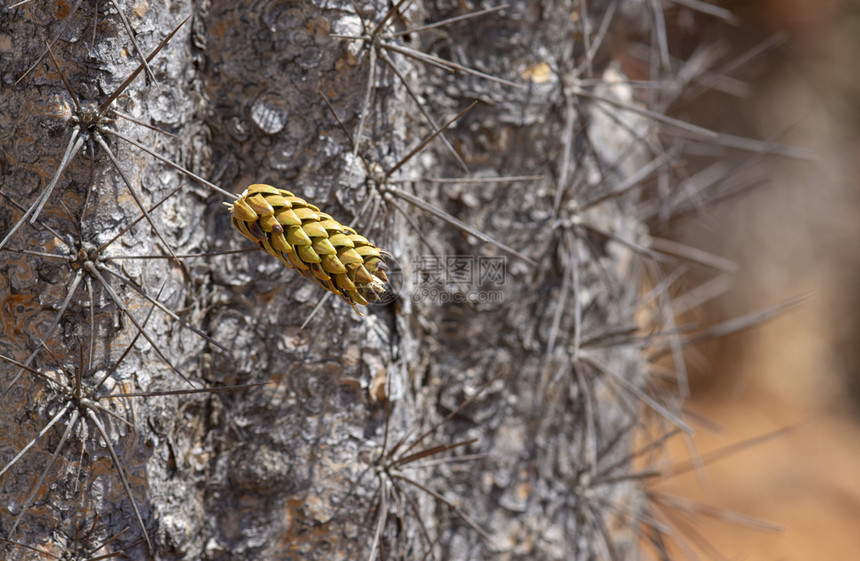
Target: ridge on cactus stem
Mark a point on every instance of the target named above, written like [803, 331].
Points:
[312, 242]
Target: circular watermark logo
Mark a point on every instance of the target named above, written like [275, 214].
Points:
[394, 286]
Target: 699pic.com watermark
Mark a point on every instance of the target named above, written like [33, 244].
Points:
[444, 279]
[458, 279]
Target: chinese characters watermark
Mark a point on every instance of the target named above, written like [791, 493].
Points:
[458, 279]
[444, 279]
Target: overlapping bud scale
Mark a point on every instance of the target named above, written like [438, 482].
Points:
[318, 246]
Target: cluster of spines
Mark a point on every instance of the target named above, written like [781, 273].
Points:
[318, 246]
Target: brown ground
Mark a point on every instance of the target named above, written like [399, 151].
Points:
[807, 481]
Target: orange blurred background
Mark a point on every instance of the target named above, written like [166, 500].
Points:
[796, 235]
